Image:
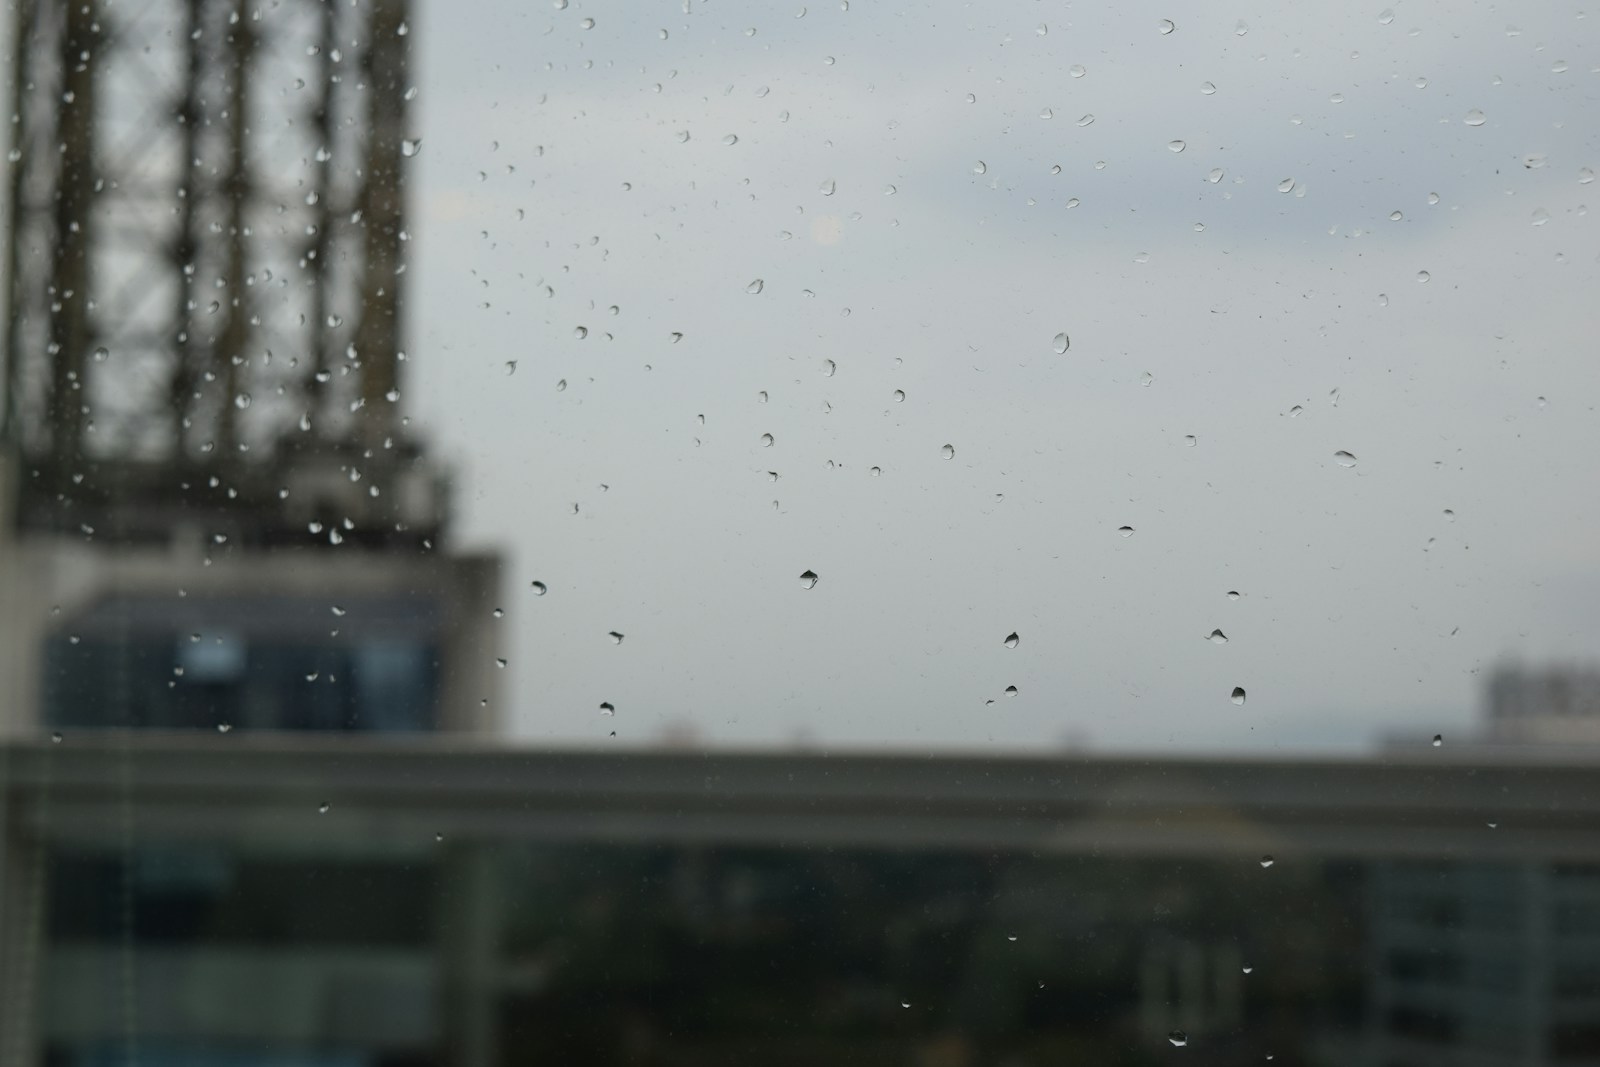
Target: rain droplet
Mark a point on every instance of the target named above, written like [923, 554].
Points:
[1215, 176]
[730, 139]
[616, 638]
[1077, 70]
[808, 579]
[1233, 594]
[580, 332]
[1585, 175]
[1238, 695]
[322, 809]
[980, 167]
[1176, 146]
[899, 396]
[1208, 88]
[1423, 276]
[1046, 113]
[1287, 185]
[101, 355]
[607, 708]
[1386, 16]
[511, 367]
[1295, 411]
[1438, 739]
[55, 738]
[1344, 459]
[224, 727]
[1247, 968]
[755, 287]
[1217, 637]
[948, 451]
[875, 471]
[587, 24]
[1042, 30]
[766, 440]
[1178, 1038]
[1540, 216]
[1267, 861]
[1395, 216]
[539, 588]
[561, 386]
[1011, 640]
[1240, 29]
[410, 148]
[1125, 531]
[1086, 120]
[1011, 690]
[827, 187]
[1061, 343]
[500, 663]
[828, 368]
[1474, 118]
[1449, 516]
[1165, 26]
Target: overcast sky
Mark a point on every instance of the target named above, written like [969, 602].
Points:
[889, 173]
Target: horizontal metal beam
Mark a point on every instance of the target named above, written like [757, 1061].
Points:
[268, 791]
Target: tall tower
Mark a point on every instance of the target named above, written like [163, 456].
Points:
[201, 451]
[206, 274]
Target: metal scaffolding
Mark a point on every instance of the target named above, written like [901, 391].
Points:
[205, 277]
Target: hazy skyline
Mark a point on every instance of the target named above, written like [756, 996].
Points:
[853, 192]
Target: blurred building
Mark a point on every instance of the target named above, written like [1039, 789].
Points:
[212, 512]
[295, 899]
[1555, 705]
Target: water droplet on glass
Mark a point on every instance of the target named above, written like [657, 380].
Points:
[1238, 695]
[580, 332]
[1011, 640]
[875, 471]
[1208, 88]
[1423, 276]
[224, 727]
[607, 708]
[1344, 459]
[899, 396]
[1217, 637]
[322, 809]
[1086, 120]
[905, 1003]
[766, 440]
[1178, 1038]
[1266, 861]
[1046, 113]
[1215, 176]
[1295, 411]
[1061, 343]
[972, 98]
[1125, 531]
[1540, 216]
[1395, 216]
[1386, 16]
[587, 24]
[410, 148]
[1438, 739]
[827, 187]
[1042, 30]
[980, 167]
[730, 139]
[755, 287]
[1011, 690]
[828, 368]
[539, 588]
[948, 451]
[616, 638]
[501, 663]
[1176, 146]
[1287, 185]
[1247, 968]
[808, 579]
[1165, 26]
[1474, 118]
[1240, 29]
[1233, 594]
[1077, 70]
